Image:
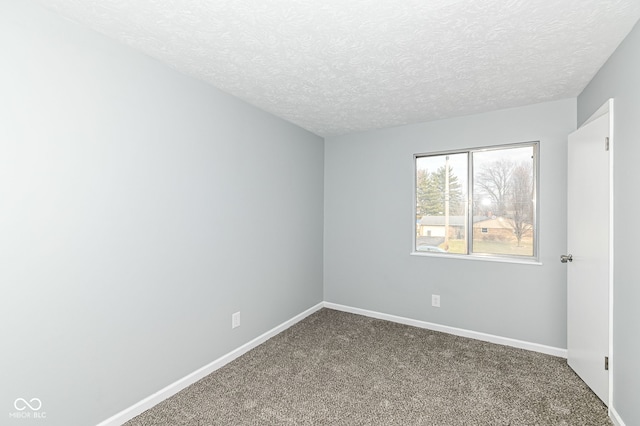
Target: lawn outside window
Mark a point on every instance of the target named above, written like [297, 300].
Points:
[478, 202]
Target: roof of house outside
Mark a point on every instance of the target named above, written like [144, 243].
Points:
[479, 221]
[495, 223]
[453, 220]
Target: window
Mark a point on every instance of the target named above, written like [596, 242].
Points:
[478, 201]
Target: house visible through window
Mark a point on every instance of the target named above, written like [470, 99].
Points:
[477, 201]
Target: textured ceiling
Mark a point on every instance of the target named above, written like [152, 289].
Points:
[336, 66]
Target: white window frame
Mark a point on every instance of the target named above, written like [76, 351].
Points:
[470, 255]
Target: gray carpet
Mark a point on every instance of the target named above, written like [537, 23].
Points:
[335, 368]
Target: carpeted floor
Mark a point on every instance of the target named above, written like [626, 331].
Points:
[335, 368]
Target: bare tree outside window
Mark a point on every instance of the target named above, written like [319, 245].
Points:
[503, 193]
[521, 194]
[493, 182]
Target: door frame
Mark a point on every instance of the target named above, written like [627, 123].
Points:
[607, 107]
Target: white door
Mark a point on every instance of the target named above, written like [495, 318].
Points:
[588, 244]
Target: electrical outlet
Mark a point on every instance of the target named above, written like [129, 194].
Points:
[235, 320]
[435, 300]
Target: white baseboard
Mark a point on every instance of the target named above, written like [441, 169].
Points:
[615, 417]
[521, 344]
[178, 385]
[175, 387]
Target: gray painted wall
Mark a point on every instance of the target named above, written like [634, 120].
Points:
[139, 209]
[369, 225]
[619, 78]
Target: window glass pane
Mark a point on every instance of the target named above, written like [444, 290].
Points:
[503, 201]
[441, 203]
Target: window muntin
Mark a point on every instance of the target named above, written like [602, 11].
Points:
[485, 205]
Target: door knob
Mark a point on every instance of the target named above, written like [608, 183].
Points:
[566, 258]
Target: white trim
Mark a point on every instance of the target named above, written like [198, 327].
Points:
[477, 257]
[178, 385]
[521, 344]
[615, 417]
[175, 387]
[611, 248]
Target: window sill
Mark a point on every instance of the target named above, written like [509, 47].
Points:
[477, 257]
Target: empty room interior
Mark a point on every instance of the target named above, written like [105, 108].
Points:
[332, 212]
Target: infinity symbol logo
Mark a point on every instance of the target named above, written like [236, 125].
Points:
[21, 404]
